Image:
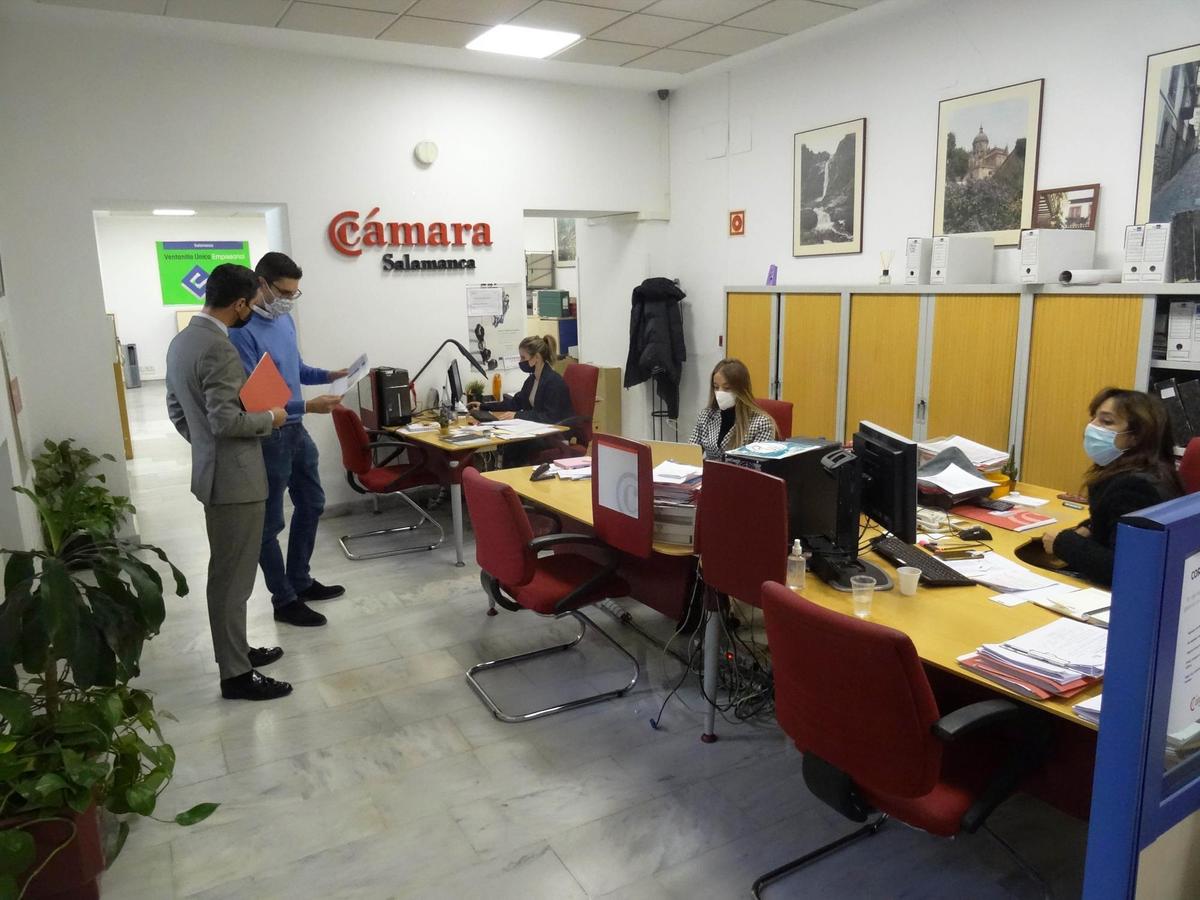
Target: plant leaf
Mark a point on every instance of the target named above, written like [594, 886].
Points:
[17, 708]
[19, 571]
[149, 595]
[60, 602]
[49, 784]
[141, 798]
[16, 852]
[197, 813]
[8, 888]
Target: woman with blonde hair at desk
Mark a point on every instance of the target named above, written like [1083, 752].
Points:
[1133, 466]
[731, 418]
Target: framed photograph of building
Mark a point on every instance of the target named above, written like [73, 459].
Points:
[564, 243]
[828, 189]
[1169, 170]
[1069, 207]
[987, 162]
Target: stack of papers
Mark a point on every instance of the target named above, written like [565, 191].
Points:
[986, 459]
[1060, 659]
[573, 468]
[956, 481]
[676, 484]
[510, 429]
[1082, 604]
[1089, 710]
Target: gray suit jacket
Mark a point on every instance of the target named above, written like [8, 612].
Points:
[204, 375]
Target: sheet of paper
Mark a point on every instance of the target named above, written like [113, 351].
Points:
[484, 301]
[998, 572]
[1185, 683]
[1016, 598]
[1078, 603]
[956, 480]
[671, 472]
[575, 474]
[1022, 500]
[980, 455]
[1089, 709]
[357, 372]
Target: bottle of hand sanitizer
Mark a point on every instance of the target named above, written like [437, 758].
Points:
[796, 567]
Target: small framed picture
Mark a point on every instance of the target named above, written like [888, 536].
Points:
[737, 223]
[1069, 207]
[564, 243]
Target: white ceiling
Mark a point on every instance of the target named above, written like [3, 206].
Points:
[673, 36]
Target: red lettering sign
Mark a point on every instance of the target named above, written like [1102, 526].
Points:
[349, 232]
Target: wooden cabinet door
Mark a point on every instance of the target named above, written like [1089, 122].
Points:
[748, 337]
[1079, 345]
[974, 353]
[808, 365]
[882, 376]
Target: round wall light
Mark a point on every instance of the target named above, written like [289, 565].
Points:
[425, 153]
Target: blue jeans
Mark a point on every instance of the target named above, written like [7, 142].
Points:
[291, 459]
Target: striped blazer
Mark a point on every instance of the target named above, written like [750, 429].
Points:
[708, 427]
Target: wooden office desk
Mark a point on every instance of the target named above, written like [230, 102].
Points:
[945, 623]
[456, 456]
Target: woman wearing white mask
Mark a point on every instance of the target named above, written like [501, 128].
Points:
[731, 418]
[1133, 466]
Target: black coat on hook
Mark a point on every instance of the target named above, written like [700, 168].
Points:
[656, 348]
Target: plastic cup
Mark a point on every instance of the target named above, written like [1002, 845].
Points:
[861, 588]
[909, 576]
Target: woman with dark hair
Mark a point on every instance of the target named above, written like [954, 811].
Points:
[731, 418]
[1133, 466]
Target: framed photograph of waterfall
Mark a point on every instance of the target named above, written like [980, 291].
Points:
[987, 162]
[828, 189]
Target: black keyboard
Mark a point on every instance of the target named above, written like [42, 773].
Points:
[934, 572]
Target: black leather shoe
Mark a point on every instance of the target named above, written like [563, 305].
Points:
[298, 613]
[253, 686]
[318, 591]
[264, 656]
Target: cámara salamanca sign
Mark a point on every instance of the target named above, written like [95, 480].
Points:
[349, 233]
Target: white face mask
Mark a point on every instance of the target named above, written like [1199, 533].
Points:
[275, 307]
[725, 399]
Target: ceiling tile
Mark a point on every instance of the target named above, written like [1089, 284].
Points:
[391, 6]
[624, 5]
[702, 10]
[567, 17]
[788, 16]
[335, 20]
[240, 12]
[477, 12]
[650, 30]
[150, 7]
[725, 40]
[415, 30]
[673, 61]
[602, 53]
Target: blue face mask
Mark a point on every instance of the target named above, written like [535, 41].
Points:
[526, 367]
[1100, 444]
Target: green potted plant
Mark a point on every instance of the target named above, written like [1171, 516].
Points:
[1006, 477]
[74, 735]
[474, 390]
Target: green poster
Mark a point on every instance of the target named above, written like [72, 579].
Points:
[183, 267]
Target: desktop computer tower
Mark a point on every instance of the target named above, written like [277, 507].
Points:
[385, 398]
[812, 497]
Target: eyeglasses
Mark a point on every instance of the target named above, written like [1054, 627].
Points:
[287, 295]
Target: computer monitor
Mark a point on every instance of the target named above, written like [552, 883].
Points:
[889, 471]
[455, 379]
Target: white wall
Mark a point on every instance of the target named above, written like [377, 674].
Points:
[892, 63]
[94, 116]
[129, 273]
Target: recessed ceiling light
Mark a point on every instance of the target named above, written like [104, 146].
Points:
[517, 41]
[174, 212]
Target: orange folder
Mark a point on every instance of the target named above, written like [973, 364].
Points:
[265, 388]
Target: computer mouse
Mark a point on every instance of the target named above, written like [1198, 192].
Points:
[975, 533]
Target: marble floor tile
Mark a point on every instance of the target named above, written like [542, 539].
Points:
[533, 873]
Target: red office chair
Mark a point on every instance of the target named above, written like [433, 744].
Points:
[742, 540]
[780, 411]
[1189, 466]
[517, 578]
[388, 478]
[581, 382]
[853, 696]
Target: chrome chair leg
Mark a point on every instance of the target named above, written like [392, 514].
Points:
[422, 517]
[584, 622]
[866, 831]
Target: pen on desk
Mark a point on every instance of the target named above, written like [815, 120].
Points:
[1070, 504]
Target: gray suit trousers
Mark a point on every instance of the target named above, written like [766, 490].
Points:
[234, 539]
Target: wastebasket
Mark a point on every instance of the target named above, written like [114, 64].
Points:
[133, 374]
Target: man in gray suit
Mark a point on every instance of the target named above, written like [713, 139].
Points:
[204, 376]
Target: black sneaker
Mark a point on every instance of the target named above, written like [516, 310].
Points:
[318, 591]
[253, 686]
[264, 656]
[298, 613]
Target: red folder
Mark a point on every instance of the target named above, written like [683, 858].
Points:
[1016, 519]
[265, 388]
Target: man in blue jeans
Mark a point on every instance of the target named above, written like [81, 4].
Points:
[289, 453]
